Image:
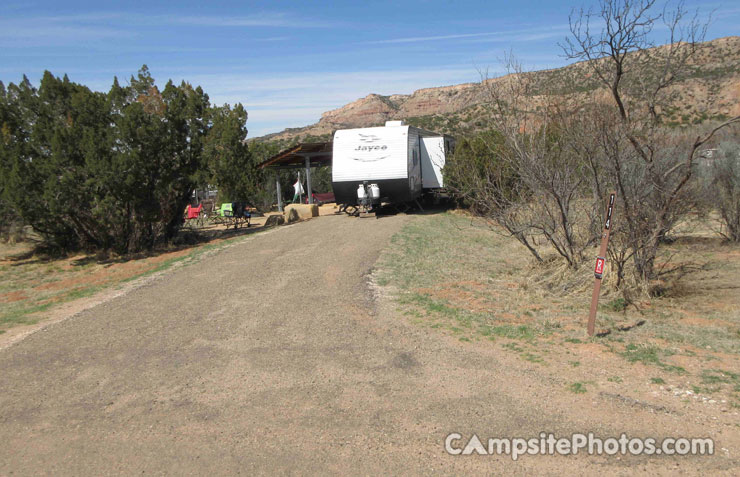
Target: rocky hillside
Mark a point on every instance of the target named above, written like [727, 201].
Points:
[710, 90]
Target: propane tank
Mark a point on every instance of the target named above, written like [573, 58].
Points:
[361, 192]
[374, 192]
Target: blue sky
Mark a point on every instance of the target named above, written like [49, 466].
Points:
[288, 62]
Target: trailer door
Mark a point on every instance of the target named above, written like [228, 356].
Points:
[432, 162]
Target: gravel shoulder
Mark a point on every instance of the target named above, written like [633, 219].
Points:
[275, 356]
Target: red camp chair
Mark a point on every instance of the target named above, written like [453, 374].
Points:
[195, 216]
[194, 212]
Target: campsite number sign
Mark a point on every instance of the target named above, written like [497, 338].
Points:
[600, 263]
[609, 209]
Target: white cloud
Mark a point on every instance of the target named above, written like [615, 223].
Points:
[276, 101]
[272, 38]
[267, 19]
[513, 35]
[28, 33]
[62, 30]
[521, 38]
[416, 39]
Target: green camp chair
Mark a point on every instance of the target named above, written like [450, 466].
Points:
[226, 210]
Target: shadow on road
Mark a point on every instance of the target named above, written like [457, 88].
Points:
[389, 210]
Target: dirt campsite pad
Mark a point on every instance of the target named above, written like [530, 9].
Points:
[334, 354]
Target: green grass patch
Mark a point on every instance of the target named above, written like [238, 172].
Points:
[20, 315]
[81, 292]
[517, 332]
[577, 388]
[512, 347]
[532, 357]
[618, 304]
[523, 353]
[650, 355]
[657, 380]
[429, 304]
[719, 376]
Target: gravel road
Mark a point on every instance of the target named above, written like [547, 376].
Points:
[273, 356]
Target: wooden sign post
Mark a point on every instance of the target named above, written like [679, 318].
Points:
[600, 262]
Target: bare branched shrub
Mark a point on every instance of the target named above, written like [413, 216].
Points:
[487, 184]
[525, 176]
[724, 188]
[546, 170]
[651, 167]
[565, 153]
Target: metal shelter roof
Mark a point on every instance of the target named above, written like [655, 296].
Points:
[318, 153]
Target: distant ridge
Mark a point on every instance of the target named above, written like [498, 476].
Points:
[711, 90]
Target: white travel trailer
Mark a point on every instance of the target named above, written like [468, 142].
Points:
[393, 163]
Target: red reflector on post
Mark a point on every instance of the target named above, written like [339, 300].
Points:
[599, 269]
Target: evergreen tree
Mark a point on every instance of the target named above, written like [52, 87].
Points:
[101, 171]
[228, 155]
[116, 170]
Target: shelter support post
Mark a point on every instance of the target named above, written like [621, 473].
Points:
[309, 191]
[279, 193]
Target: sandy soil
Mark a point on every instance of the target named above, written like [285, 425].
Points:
[282, 359]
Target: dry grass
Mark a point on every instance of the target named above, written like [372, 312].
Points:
[453, 273]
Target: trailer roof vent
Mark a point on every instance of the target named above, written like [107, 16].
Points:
[389, 124]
